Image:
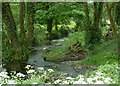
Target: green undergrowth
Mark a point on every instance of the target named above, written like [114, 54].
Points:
[57, 53]
[105, 74]
[106, 51]
[39, 34]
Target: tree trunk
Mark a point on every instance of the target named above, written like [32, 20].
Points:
[56, 23]
[49, 25]
[93, 33]
[30, 23]
[11, 29]
[22, 15]
[117, 13]
[112, 23]
[49, 28]
[97, 13]
[87, 15]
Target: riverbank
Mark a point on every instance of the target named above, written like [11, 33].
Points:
[99, 67]
[71, 49]
[73, 59]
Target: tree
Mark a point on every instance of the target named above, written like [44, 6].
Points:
[93, 33]
[30, 23]
[117, 13]
[22, 15]
[14, 41]
[18, 48]
[11, 30]
[112, 23]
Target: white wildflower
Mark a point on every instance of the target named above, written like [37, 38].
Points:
[30, 71]
[13, 72]
[57, 81]
[89, 80]
[4, 75]
[45, 73]
[107, 80]
[99, 73]
[81, 79]
[102, 77]
[28, 66]
[69, 78]
[79, 82]
[65, 82]
[76, 82]
[99, 82]
[40, 68]
[50, 70]
[11, 82]
[34, 83]
[20, 75]
[96, 78]
[80, 76]
[83, 82]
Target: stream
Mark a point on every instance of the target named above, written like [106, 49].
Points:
[37, 61]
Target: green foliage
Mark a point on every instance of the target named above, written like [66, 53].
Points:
[58, 53]
[67, 17]
[106, 51]
[40, 35]
[105, 74]
[108, 70]
[15, 11]
[92, 37]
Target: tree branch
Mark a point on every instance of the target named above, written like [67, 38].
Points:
[43, 6]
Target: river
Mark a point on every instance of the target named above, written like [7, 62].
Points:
[37, 61]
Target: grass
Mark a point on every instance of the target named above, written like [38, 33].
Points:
[107, 51]
[57, 53]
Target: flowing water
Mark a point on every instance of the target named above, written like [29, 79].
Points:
[37, 61]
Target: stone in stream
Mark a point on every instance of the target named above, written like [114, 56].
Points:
[60, 40]
[40, 48]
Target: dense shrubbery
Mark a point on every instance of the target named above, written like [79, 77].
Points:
[106, 74]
